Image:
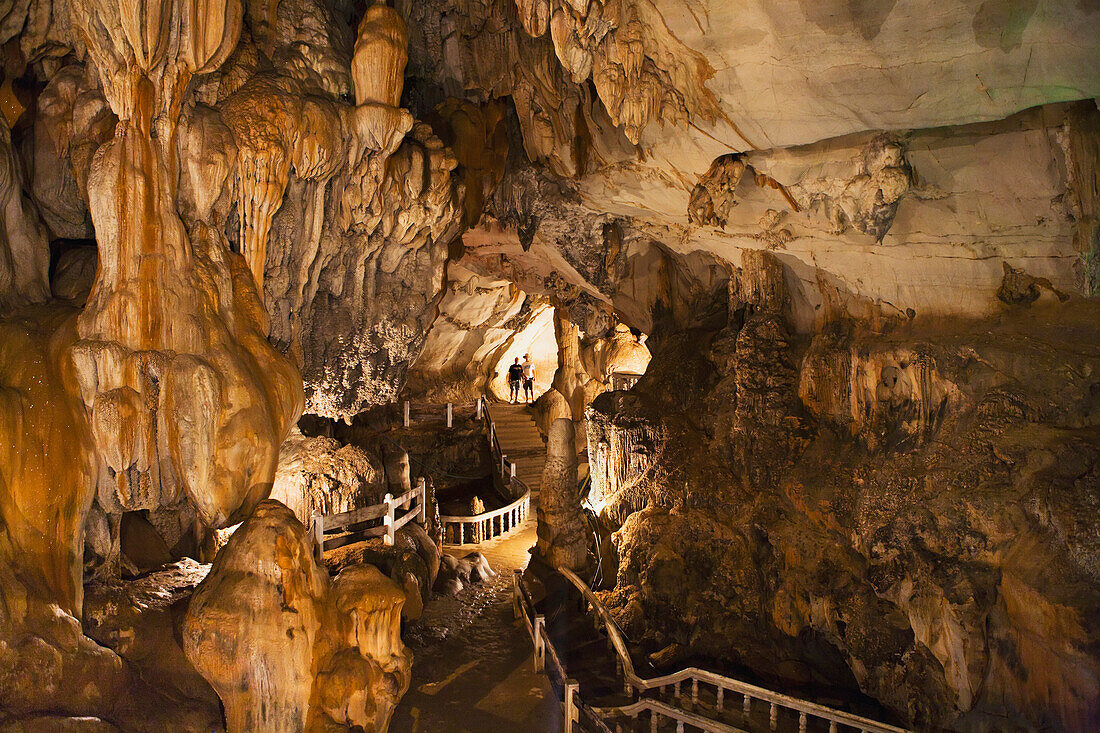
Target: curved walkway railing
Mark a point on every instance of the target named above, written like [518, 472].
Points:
[487, 525]
[462, 530]
[658, 710]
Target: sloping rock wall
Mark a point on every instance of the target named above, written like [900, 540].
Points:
[896, 509]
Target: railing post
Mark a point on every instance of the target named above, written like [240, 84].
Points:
[450, 414]
[319, 537]
[512, 470]
[387, 518]
[802, 723]
[502, 461]
[570, 716]
[422, 488]
[479, 400]
[721, 698]
[772, 717]
[540, 653]
[406, 419]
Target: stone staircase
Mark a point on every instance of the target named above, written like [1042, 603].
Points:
[521, 441]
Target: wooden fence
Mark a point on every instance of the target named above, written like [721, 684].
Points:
[461, 530]
[487, 525]
[579, 716]
[362, 524]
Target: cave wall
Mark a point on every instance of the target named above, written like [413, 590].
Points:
[847, 231]
[907, 508]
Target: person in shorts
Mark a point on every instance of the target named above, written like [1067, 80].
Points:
[528, 378]
[515, 378]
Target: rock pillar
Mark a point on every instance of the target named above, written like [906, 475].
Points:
[562, 529]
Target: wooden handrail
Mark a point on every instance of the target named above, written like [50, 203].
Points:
[613, 631]
[496, 522]
[660, 708]
[488, 515]
[696, 675]
[447, 408]
[386, 511]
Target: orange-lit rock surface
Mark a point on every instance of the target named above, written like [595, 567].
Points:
[286, 648]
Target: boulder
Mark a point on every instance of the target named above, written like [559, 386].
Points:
[285, 648]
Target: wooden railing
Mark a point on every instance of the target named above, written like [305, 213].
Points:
[487, 525]
[498, 522]
[410, 413]
[477, 528]
[575, 711]
[348, 525]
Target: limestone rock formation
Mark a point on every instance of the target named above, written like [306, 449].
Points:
[285, 648]
[321, 476]
[864, 503]
[24, 255]
[563, 539]
[47, 481]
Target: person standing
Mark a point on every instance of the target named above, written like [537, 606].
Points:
[528, 378]
[515, 377]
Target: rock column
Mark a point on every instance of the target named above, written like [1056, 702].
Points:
[561, 524]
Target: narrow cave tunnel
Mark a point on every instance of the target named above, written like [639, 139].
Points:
[538, 365]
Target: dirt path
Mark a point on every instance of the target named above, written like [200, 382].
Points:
[473, 668]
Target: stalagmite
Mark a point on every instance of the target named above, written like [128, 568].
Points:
[563, 539]
[285, 648]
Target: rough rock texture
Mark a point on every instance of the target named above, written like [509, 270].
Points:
[375, 284]
[140, 620]
[322, 476]
[46, 486]
[630, 240]
[24, 256]
[563, 539]
[285, 648]
[905, 511]
[585, 366]
[960, 109]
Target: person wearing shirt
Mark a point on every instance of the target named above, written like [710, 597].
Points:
[515, 377]
[528, 378]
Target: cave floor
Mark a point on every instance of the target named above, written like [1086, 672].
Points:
[473, 666]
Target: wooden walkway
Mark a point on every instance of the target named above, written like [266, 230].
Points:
[521, 441]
